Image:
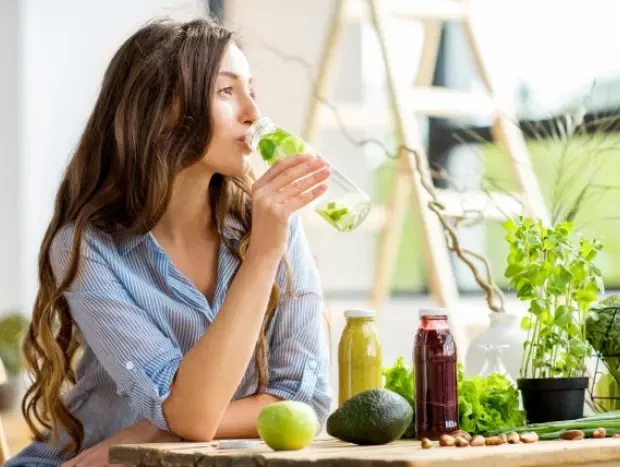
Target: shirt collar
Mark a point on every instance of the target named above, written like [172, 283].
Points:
[233, 230]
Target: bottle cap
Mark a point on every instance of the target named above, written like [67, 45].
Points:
[434, 312]
[360, 313]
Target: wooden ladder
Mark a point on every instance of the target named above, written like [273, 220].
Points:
[406, 106]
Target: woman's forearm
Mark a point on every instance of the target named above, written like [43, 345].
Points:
[239, 420]
[212, 370]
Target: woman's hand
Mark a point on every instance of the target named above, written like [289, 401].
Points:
[141, 432]
[286, 187]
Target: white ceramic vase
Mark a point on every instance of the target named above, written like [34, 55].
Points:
[505, 330]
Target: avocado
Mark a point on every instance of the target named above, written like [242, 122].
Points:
[375, 416]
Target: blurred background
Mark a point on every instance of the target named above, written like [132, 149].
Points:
[548, 58]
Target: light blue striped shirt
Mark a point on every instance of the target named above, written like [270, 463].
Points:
[138, 315]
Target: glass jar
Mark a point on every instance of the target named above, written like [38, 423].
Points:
[435, 370]
[344, 205]
[360, 358]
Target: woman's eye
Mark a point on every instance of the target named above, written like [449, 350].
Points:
[227, 90]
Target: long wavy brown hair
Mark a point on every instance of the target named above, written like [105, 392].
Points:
[119, 181]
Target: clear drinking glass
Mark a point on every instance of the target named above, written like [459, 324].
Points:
[344, 205]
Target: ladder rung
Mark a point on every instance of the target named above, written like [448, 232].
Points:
[442, 102]
[431, 102]
[493, 205]
[446, 10]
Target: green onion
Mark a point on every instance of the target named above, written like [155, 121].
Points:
[610, 421]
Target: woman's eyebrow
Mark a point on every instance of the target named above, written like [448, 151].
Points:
[233, 75]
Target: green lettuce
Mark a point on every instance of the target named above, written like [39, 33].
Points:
[399, 378]
[486, 404]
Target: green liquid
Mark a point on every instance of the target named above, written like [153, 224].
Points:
[344, 214]
[359, 359]
[279, 145]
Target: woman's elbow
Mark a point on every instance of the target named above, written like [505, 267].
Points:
[189, 422]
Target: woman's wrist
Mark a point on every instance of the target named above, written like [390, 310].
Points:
[263, 259]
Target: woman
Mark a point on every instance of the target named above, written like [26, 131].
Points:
[186, 288]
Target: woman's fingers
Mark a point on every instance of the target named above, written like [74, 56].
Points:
[303, 199]
[280, 167]
[295, 174]
[299, 185]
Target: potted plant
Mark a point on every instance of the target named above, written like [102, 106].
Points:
[12, 327]
[555, 273]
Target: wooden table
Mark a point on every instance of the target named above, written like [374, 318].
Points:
[329, 452]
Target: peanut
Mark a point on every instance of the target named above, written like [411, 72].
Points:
[446, 440]
[477, 440]
[426, 443]
[503, 437]
[529, 437]
[572, 435]
[462, 434]
[513, 438]
[461, 442]
[493, 441]
[599, 433]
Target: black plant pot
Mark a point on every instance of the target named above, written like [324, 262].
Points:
[553, 399]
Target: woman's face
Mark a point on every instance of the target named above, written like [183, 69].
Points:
[234, 110]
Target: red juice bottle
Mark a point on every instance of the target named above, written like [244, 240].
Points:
[435, 369]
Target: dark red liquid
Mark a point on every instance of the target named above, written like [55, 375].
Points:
[436, 397]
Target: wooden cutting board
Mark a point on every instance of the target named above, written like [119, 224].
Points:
[329, 452]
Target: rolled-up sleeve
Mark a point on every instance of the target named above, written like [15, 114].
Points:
[140, 359]
[299, 354]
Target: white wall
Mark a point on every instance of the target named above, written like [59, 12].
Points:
[63, 48]
[9, 156]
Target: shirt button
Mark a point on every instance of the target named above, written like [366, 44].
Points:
[312, 365]
[129, 365]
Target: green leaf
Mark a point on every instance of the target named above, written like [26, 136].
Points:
[513, 269]
[587, 294]
[539, 278]
[527, 323]
[562, 276]
[266, 148]
[562, 316]
[545, 317]
[537, 307]
[510, 226]
[573, 330]
[565, 228]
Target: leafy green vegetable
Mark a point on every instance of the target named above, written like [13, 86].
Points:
[607, 393]
[603, 333]
[558, 278]
[485, 403]
[612, 301]
[399, 378]
[488, 403]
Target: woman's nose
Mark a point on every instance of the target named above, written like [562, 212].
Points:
[251, 111]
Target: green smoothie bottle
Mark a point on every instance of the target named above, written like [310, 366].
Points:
[360, 357]
[344, 205]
